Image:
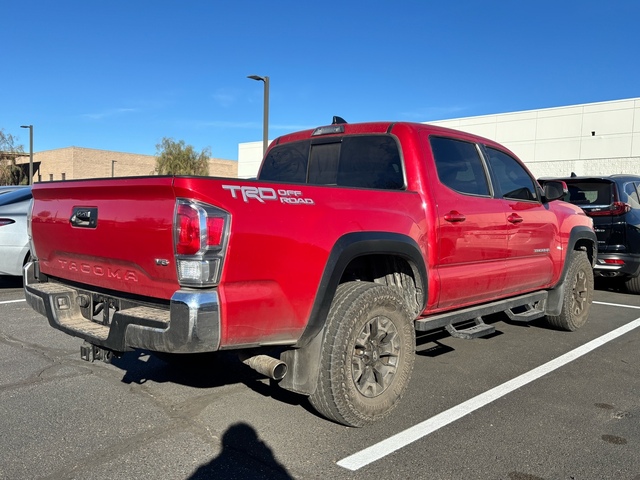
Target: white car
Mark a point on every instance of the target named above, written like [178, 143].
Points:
[14, 242]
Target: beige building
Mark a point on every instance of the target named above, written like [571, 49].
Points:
[76, 162]
[600, 138]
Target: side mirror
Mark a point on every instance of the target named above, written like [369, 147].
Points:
[554, 190]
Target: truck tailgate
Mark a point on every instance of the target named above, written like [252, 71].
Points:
[110, 234]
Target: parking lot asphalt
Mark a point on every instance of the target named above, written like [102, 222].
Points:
[484, 408]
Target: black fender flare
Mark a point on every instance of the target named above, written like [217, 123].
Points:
[303, 359]
[578, 235]
[349, 247]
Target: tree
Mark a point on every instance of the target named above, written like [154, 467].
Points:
[177, 158]
[10, 172]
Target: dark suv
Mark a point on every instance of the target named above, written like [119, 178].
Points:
[613, 202]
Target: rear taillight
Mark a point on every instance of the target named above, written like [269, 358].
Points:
[188, 234]
[200, 238]
[611, 261]
[616, 208]
[6, 221]
[215, 231]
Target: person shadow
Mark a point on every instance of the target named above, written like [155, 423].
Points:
[244, 456]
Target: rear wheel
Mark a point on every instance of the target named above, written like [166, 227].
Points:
[633, 284]
[578, 294]
[367, 355]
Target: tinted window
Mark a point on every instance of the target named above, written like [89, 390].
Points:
[630, 195]
[589, 193]
[370, 162]
[515, 183]
[459, 165]
[366, 161]
[286, 163]
[323, 164]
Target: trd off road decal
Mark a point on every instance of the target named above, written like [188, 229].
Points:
[265, 194]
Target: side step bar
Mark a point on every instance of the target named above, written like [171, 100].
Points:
[532, 303]
[479, 329]
[531, 312]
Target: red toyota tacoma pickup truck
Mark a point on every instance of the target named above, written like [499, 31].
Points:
[352, 238]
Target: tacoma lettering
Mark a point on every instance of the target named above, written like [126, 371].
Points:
[98, 271]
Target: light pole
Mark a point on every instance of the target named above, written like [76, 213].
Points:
[265, 121]
[30, 127]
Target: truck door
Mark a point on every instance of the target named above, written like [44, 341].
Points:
[472, 229]
[532, 227]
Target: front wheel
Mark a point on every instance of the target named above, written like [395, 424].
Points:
[578, 294]
[367, 355]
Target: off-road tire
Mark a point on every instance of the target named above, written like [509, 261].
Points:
[368, 354]
[578, 294]
[633, 284]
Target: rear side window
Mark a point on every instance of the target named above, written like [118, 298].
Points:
[630, 194]
[514, 181]
[363, 161]
[459, 165]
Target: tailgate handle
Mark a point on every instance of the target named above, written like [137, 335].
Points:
[85, 217]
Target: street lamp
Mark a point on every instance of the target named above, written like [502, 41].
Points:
[265, 122]
[30, 127]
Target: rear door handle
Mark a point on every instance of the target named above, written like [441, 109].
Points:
[514, 218]
[454, 216]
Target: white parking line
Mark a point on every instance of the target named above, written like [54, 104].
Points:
[12, 301]
[617, 305]
[410, 435]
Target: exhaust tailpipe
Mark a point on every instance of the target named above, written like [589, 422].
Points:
[267, 366]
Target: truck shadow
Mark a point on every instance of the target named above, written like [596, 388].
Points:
[197, 370]
[7, 281]
[207, 370]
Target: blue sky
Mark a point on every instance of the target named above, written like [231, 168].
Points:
[122, 74]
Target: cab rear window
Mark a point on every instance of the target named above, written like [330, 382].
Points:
[362, 161]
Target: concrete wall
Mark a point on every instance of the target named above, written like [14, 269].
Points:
[251, 153]
[590, 139]
[77, 162]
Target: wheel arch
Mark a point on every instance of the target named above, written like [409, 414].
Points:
[580, 238]
[350, 251]
[368, 256]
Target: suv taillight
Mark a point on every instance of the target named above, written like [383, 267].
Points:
[616, 208]
[200, 238]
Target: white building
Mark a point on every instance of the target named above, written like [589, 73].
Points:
[591, 139]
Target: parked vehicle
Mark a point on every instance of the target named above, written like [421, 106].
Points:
[613, 202]
[11, 188]
[14, 242]
[319, 272]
